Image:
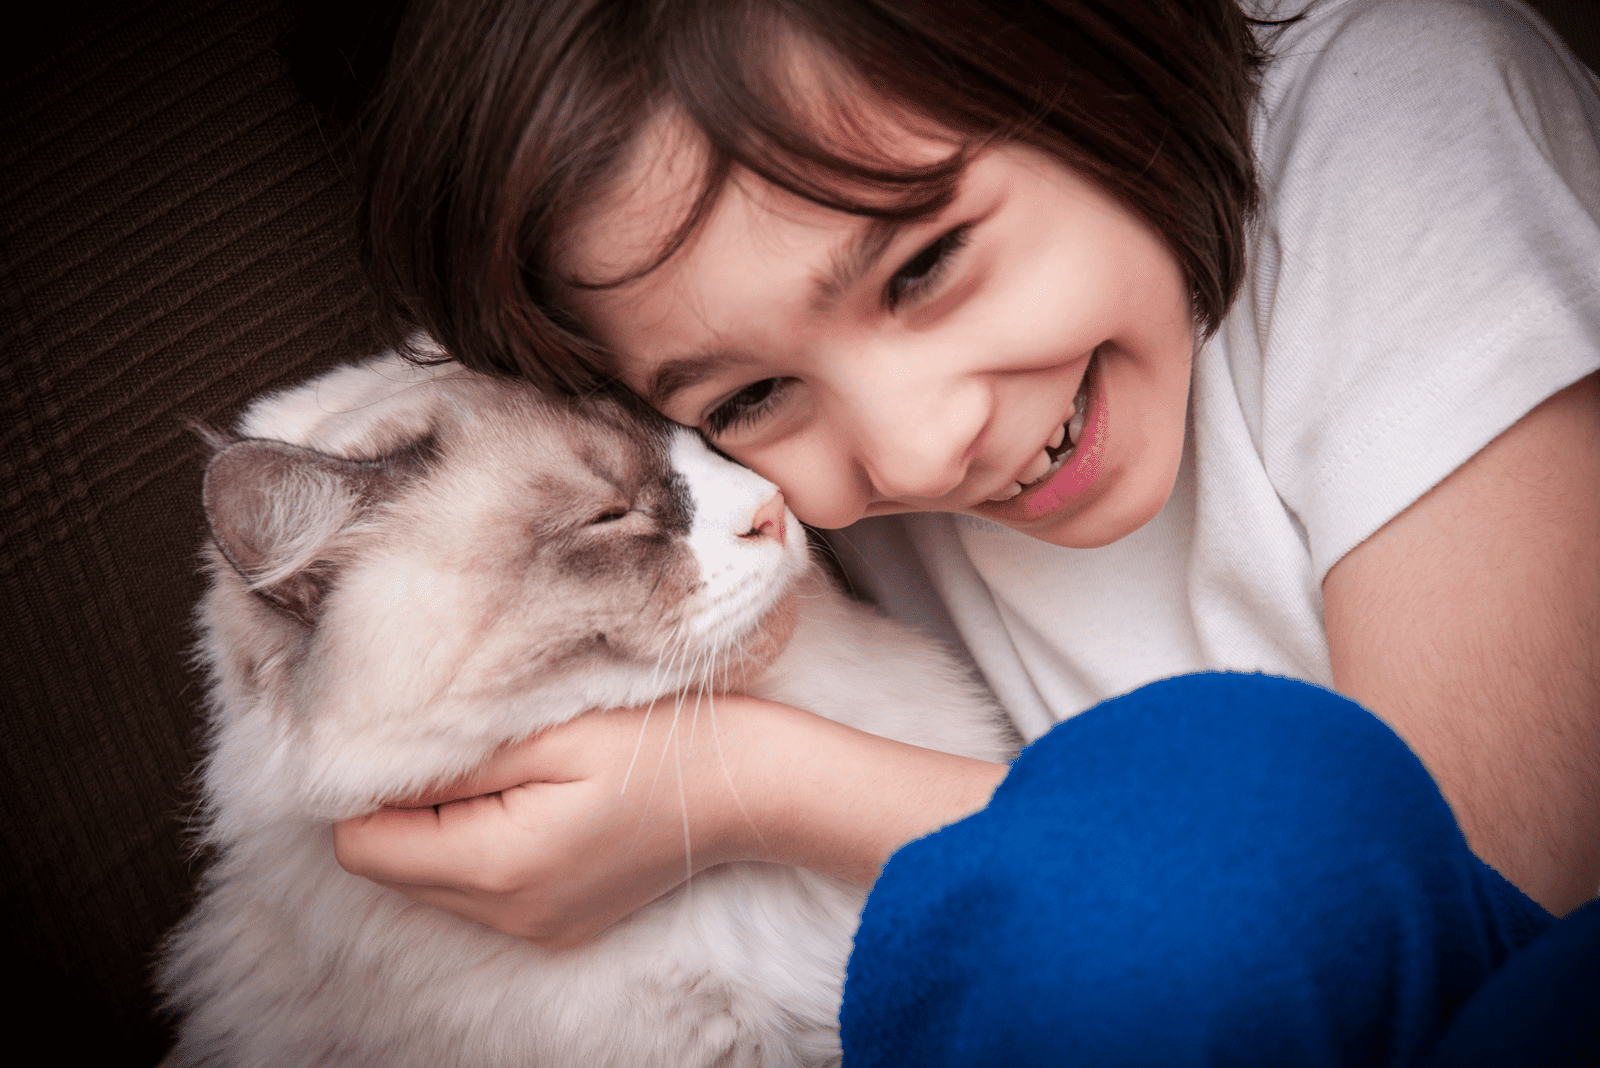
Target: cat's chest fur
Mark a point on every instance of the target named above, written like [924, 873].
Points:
[439, 563]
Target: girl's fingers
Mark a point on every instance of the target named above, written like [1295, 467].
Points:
[567, 752]
[450, 847]
[568, 832]
[497, 864]
[552, 755]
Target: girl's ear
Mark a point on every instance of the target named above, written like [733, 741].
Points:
[279, 514]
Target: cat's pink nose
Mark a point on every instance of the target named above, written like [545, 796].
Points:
[768, 521]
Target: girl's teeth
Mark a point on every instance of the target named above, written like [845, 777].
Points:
[1042, 464]
[1075, 427]
[1035, 470]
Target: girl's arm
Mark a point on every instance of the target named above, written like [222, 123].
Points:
[577, 832]
[1471, 624]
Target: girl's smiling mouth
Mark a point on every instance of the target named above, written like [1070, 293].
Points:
[1068, 463]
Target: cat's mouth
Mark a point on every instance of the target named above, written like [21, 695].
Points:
[742, 627]
[741, 613]
[754, 651]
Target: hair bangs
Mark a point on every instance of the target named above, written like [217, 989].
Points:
[503, 123]
[765, 95]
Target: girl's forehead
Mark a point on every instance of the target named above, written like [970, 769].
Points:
[624, 224]
[757, 247]
[631, 220]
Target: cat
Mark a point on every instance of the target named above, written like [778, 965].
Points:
[412, 565]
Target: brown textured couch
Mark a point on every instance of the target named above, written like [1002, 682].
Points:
[177, 237]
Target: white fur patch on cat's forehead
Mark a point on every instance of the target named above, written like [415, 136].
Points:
[716, 485]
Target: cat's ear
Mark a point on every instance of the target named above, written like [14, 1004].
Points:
[278, 513]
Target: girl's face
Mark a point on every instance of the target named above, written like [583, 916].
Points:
[935, 365]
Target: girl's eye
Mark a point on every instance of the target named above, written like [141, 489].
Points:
[746, 407]
[923, 269]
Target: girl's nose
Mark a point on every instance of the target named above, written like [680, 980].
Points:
[917, 431]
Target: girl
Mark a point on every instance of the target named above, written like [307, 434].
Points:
[987, 284]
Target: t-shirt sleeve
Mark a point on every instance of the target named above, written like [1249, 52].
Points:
[1428, 256]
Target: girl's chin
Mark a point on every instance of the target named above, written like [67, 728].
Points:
[1119, 503]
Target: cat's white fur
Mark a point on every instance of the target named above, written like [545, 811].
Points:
[406, 680]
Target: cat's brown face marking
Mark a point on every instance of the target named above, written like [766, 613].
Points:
[542, 532]
[535, 552]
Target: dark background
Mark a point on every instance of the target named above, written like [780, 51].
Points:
[175, 236]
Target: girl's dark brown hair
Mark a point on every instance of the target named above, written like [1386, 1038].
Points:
[500, 121]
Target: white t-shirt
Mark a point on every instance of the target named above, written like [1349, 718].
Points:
[1424, 271]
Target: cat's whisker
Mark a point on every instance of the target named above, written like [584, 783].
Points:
[839, 568]
[637, 745]
[697, 674]
[701, 676]
[660, 574]
[727, 775]
[723, 664]
[661, 761]
[683, 812]
[672, 735]
[655, 678]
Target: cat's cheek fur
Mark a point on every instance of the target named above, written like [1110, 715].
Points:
[535, 561]
[763, 645]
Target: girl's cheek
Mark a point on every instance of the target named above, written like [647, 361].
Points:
[816, 482]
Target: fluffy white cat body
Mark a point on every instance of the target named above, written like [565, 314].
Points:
[399, 589]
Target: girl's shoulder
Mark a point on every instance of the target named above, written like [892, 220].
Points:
[1424, 19]
[1390, 103]
[1425, 267]
[1380, 119]
[1414, 49]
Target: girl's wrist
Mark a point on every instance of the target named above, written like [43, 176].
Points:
[840, 801]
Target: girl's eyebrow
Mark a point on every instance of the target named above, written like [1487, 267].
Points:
[681, 372]
[853, 259]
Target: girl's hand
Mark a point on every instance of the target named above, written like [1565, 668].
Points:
[572, 830]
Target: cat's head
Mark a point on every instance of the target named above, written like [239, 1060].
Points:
[410, 566]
